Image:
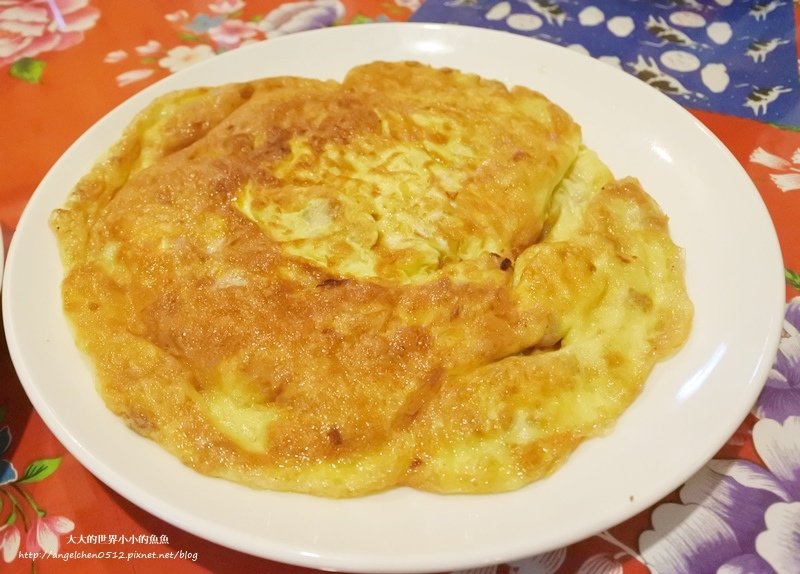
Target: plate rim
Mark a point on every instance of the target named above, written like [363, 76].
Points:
[295, 556]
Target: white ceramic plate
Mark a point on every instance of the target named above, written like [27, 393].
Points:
[689, 408]
[2, 257]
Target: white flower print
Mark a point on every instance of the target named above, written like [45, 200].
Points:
[178, 16]
[787, 177]
[115, 56]
[226, 6]
[181, 57]
[412, 5]
[133, 76]
[148, 49]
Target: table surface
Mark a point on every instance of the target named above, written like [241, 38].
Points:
[732, 64]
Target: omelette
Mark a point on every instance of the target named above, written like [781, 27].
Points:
[411, 277]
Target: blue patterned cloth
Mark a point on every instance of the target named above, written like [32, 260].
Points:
[736, 57]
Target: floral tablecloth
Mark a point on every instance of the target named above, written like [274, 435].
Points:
[732, 63]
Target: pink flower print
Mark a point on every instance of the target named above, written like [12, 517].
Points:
[44, 533]
[9, 542]
[231, 33]
[31, 27]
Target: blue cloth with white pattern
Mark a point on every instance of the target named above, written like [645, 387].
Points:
[730, 56]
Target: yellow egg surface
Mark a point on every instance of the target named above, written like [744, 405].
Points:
[415, 276]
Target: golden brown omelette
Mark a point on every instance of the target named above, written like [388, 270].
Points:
[415, 276]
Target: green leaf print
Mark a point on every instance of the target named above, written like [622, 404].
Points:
[360, 19]
[28, 69]
[40, 469]
[189, 37]
[793, 278]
